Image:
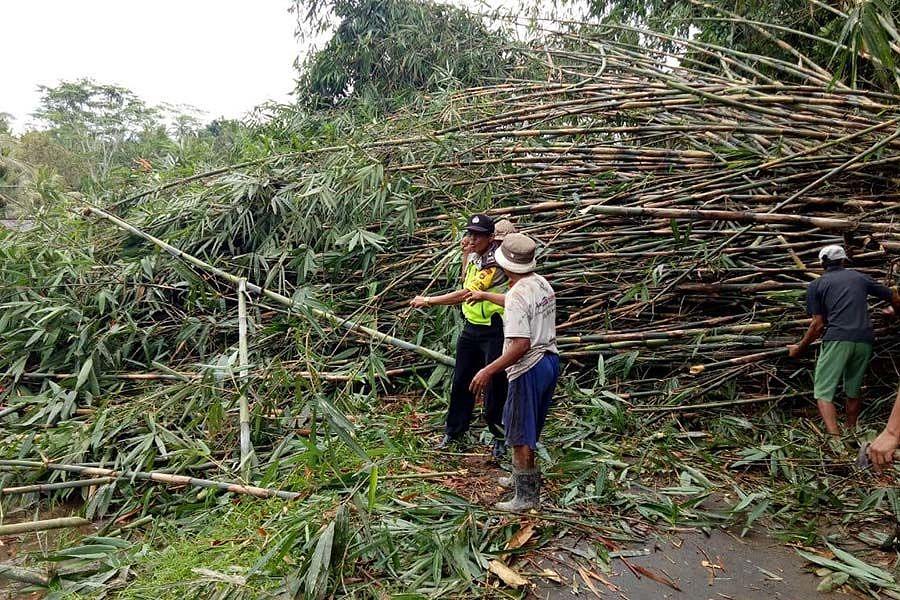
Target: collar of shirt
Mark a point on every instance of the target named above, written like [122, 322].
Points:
[486, 259]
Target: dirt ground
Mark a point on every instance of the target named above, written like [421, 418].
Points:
[14, 549]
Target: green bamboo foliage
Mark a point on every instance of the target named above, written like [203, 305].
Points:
[679, 205]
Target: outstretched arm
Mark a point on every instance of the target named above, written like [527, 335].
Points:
[814, 332]
[450, 299]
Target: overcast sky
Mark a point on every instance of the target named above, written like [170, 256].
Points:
[221, 56]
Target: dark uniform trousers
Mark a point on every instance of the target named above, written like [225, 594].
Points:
[478, 345]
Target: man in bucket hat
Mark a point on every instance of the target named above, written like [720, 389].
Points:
[837, 303]
[481, 340]
[531, 360]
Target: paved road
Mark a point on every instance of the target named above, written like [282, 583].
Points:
[753, 568]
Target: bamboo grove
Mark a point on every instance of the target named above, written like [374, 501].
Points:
[679, 197]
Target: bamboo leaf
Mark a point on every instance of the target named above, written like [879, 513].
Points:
[84, 372]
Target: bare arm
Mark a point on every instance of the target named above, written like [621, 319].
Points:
[881, 451]
[814, 332]
[517, 348]
[451, 299]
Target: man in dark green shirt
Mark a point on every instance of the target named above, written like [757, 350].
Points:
[838, 305]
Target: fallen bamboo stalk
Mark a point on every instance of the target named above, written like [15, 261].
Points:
[13, 409]
[429, 475]
[705, 405]
[272, 295]
[825, 223]
[50, 487]
[664, 335]
[246, 446]
[133, 525]
[194, 375]
[22, 576]
[166, 478]
[46, 525]
[741, 360]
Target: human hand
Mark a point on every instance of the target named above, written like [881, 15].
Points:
[473, 296]
[466, 245]
[420, 302]
[881, 451]
[795, 350]
[889, 312]
[480, 382]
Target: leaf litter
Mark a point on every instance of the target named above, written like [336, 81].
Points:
[678, 408]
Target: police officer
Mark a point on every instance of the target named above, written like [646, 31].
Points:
[481, 340]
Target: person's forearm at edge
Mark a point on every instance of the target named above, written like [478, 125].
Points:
[893, 424]
[518, 347]
[814, 332]
[881, 451]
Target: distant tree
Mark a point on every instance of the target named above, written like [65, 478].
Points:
[99, 122]
[5, 123]
[106, 112]
[383, 50]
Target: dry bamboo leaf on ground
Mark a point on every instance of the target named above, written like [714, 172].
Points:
[521, 537]
[506, 574]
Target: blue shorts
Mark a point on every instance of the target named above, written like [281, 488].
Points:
[528, 402]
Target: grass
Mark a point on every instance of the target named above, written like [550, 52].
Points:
[229, 539]
[610, 476]
[357, 230]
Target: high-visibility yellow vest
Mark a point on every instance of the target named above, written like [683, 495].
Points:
[485, 275]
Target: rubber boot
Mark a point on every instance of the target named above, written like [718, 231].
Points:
[498, 449]
[527, 484]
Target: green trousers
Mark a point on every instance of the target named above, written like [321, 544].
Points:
[838, 360]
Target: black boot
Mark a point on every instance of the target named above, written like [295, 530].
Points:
[449, 442]
[498, 451]
[528, 492]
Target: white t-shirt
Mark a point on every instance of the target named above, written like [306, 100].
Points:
[530, 313]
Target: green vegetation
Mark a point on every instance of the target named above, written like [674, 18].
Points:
[119, 355]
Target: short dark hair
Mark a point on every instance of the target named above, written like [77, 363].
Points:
[828, 263]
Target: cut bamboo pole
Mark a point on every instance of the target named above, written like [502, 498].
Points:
[190, 376]
[46, 525]
[709, 405]
[166, 478]
[22, 575]
[247, 455]
[825, 223]
[741, 360]
[275, 296]
[50, 487]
